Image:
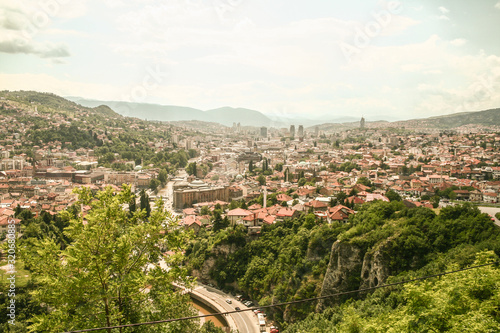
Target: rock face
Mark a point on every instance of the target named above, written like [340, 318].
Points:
[352, 268]
[375, 269]
[343, 271]
[203, 274]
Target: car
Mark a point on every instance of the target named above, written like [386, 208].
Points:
[228, 301]
[237, 308]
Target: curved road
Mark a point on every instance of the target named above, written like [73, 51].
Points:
[244, 321]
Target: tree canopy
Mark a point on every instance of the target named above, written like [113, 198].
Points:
[110, 274]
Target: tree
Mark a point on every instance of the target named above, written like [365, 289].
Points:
[392, 195]
[261, 179]
[364, 181]
[301, 182]
[250, 166]
[278, 167]
[132, 204]
[153, 184]
[163, 176]
[341, 196]
[100, 278]
[192, 169]
[145, 203]
[205, 210]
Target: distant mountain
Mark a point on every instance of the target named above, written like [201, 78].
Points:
[485, 118]
[246, 117]
[225, 115]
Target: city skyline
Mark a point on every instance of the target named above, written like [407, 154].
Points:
[377, 59]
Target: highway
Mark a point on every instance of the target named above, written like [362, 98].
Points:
[244, 321]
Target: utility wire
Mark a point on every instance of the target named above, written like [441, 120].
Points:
[287, 303]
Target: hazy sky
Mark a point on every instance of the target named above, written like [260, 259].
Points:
[380, 59]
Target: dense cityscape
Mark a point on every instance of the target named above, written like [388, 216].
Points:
[234, 188]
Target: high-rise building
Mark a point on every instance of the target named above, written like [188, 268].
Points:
[316, 131]
[263, 132]
[300, 132]
[362, 123]
[292, 131]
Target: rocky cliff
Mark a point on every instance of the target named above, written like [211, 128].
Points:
[204, 274]
[351, 267]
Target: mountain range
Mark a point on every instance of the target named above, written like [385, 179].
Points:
[224, 115]
[228, 116]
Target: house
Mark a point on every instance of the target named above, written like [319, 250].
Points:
[339, 213]
[462, 195]
[375, 196]
[286, 213]
[283, 197]
[316, 205]
[237, 215]
[490, 197]
[4, 223]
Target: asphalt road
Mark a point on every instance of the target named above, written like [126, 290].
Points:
[245, 321]
[492, 211]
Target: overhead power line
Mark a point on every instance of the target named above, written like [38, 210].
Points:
[286, 303]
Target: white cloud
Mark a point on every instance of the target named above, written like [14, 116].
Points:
[443, 18]
[21, 22]
[497, 6]
[444, 10]
[458, 42]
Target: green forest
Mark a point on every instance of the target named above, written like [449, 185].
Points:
[290, 260]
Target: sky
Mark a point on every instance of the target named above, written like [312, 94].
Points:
[316, 59]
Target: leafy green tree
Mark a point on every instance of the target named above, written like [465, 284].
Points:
[101, 279]
[192, 169]
[341, 196]
[261, 179]
[301, 182]
[364, 181]
[145, 203]
[163, 176]
[204, 210]
[154, 184]
[392, 195]
[132, 204]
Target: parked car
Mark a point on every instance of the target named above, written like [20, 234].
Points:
[237, 308]
[228, 301]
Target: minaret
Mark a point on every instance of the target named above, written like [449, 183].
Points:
[265, 196]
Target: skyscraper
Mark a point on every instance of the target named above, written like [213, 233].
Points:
[300, 132]
[263, 132]
[362, 123]
[292, 131]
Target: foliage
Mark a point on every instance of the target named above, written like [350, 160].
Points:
[392, 195]
[100, 278]
[287, 261]
[467, 301]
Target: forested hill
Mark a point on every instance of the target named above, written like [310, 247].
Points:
[303, 258]
[47, 120]
[484, 118]
[51, 102]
